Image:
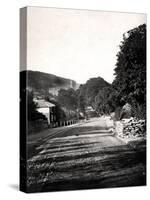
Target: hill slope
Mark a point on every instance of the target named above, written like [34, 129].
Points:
[47, 83]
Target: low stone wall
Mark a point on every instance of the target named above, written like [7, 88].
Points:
[131, 128]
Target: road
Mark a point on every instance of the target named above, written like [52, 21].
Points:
[83, 156]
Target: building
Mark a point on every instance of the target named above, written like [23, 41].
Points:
[47, 109]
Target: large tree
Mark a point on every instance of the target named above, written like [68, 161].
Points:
[106, 101]
[130, 71]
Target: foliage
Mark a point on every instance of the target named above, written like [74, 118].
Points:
[104, 101]
[130, 71]
[59, 112]
[92, 88]
[67, 99]
[89, 93]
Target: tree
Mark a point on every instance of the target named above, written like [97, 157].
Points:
[130, 71]
[59, 112]
[67, 99]
[105, 101]
[90, 90]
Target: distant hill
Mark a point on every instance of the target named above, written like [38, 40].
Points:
[43, 83]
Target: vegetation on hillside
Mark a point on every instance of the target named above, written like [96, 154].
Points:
[79, 100]
[43, 82]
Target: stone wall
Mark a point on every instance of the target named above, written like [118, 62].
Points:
[131, 128]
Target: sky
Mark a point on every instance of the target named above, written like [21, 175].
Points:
[76, 44]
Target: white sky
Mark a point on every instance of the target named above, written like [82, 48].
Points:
[76, 44]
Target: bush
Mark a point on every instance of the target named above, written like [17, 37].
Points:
[139, 111]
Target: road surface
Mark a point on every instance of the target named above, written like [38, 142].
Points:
[83, 156]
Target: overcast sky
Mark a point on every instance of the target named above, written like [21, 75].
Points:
[76, 44]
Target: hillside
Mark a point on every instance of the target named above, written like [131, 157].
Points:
[47, 83]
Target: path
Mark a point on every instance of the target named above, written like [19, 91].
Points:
[85, 156]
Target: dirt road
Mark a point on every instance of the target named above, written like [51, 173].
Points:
[84, 156]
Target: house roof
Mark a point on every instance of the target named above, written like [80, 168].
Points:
[41, 103]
